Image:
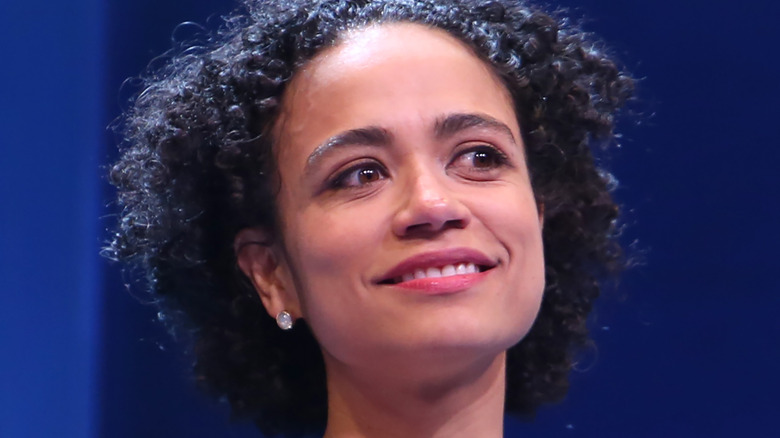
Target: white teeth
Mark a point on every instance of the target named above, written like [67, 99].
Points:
[444, 271]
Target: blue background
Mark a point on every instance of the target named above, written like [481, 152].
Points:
[686, 346]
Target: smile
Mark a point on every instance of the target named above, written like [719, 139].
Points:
[438, 265]
[438, 272]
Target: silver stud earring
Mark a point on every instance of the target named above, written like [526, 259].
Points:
[284, 320]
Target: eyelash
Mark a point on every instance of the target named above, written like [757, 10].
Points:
[499, 158]
[339, 181]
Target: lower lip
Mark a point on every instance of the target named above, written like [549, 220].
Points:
[443, 285]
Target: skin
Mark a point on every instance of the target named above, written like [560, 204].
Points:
[424, 358]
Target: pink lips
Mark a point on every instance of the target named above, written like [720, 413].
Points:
[471, 266]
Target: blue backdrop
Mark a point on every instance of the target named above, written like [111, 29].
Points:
[687, 345]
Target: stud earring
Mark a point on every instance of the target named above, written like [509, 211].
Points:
[284, 320]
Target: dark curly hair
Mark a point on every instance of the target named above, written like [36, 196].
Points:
[197, 166]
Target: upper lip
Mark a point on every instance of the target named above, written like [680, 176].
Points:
[436, 259]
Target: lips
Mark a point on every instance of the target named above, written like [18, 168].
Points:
[438, 265]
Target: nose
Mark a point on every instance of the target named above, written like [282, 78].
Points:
[428, 207]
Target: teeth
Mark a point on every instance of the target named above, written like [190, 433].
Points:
[444, 271]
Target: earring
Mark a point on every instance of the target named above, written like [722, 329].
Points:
[284, 320]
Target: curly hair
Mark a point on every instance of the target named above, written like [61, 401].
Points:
[197, 166]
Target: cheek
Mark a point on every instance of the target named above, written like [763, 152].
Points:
[514, 223]
[513, 217]
[332, 265]
[522, 233]
[326, 232]
[330, 251]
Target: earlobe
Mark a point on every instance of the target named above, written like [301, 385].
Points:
[264, 265]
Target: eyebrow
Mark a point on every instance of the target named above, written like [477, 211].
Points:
[377, 136]
[368, 136]
[454, 123]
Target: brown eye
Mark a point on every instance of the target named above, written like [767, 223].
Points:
[484, 159]
[360, 175]
[365, 176]
[479, 159]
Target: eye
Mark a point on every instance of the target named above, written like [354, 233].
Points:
[479, 162]
[359, 175]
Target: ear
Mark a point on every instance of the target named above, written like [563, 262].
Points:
[263, 262]
[540, 209]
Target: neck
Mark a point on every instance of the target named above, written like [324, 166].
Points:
[401, 400]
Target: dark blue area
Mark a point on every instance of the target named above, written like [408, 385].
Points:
[49, 116]
[685, 346]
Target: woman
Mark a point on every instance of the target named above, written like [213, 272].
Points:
[405, 187]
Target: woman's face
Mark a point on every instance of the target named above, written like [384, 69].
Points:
[408, 220]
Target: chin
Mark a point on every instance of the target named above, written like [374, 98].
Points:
[466, 336]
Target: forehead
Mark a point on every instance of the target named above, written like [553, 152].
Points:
[389, 75]
[358, 50]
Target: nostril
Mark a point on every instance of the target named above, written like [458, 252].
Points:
[456, 223]
[431, 227]
[453, 223]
